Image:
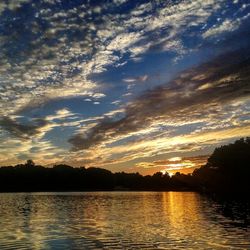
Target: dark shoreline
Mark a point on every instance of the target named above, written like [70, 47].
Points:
[226, 174]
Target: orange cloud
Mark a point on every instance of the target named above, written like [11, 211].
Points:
[175, 164]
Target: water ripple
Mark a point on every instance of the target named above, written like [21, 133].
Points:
[119, 220]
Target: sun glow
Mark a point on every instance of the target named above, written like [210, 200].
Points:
[164, 171]
[175, 159]
[177, 164]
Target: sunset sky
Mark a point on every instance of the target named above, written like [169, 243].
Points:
[134, 86]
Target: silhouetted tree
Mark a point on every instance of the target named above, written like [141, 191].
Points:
[30, 163]
[227, 169]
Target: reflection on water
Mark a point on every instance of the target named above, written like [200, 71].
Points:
[119, 220]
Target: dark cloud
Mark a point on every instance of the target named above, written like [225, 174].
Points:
[20, 130]
[194, 94]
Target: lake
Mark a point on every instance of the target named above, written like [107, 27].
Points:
[120, 220]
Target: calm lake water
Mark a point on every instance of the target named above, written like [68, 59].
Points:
[119, 220]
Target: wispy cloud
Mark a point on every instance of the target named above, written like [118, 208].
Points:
[117, 57]
[174, 163]
[182, 99]
[59, 49]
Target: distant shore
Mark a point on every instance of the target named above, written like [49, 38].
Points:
[225, 173]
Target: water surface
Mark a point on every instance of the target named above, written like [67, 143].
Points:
[119, 220]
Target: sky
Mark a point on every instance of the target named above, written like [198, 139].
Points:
[134, 86]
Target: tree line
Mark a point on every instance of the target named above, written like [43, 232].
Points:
[227, 171]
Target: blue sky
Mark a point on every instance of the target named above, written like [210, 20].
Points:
[121, 84]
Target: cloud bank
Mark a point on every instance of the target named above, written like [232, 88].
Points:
[196, 93]
[114, 83]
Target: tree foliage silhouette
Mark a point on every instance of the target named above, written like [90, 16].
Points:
[227, 171]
